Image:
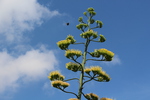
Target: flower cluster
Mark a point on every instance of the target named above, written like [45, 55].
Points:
[98, 72]
[91, 11]
[73, 99]
[81, 26]
[102, 38]
[106, 99]
[59, 84]
[73, 66]
[91, 96]
[63, 44]
[71, 53]
[106, 54]
[88, 34]
[99, 23]
[55, 75]
[70, 37]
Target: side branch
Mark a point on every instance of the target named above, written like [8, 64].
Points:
[78, 43]
[96, 59]
[68, 92]
[76, 61]
[71, 79]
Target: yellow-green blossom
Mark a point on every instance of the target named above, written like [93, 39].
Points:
[106, 99]
[73, 66]
[55, 75]
[71, 38]
[73, 99]
[96, 69]
[104, 75]
[87, 70]
[88, 34]
[63, 44]
[91, 96]
[71, 53]
[59, 83]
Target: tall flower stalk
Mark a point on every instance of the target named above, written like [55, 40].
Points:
[94, 73]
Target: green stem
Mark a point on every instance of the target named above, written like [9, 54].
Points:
[82, 72]
[80, 93]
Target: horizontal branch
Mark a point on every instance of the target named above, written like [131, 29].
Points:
[95, 27]
[71, 79]
[78, 43]
[96, 59]
[95, 41]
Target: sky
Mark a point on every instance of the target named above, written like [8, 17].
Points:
[30, 29]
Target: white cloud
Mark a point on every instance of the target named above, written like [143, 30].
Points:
[116, 61]
[18, 16]
[32, 66]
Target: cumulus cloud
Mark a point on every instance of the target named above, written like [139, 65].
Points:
[18, 16]
[33, 65]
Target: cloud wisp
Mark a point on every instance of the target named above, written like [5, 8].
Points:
[32, 66]
[116, 61]
[18, 16]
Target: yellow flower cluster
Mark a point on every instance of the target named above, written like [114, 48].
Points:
[71, 53]
[73, 99]
[81, 26]
[108, 55]
[91, 96]
[96, 70]
[88, 34]
[55, 75]
[70, 37]
[106, 52]
[87, 70]
[106, 99]
[73, 66]
[63, 44]
[59, 83]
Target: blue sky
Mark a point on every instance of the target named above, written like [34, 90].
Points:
[29, 30]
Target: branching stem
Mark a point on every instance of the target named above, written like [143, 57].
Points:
[68, 92]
